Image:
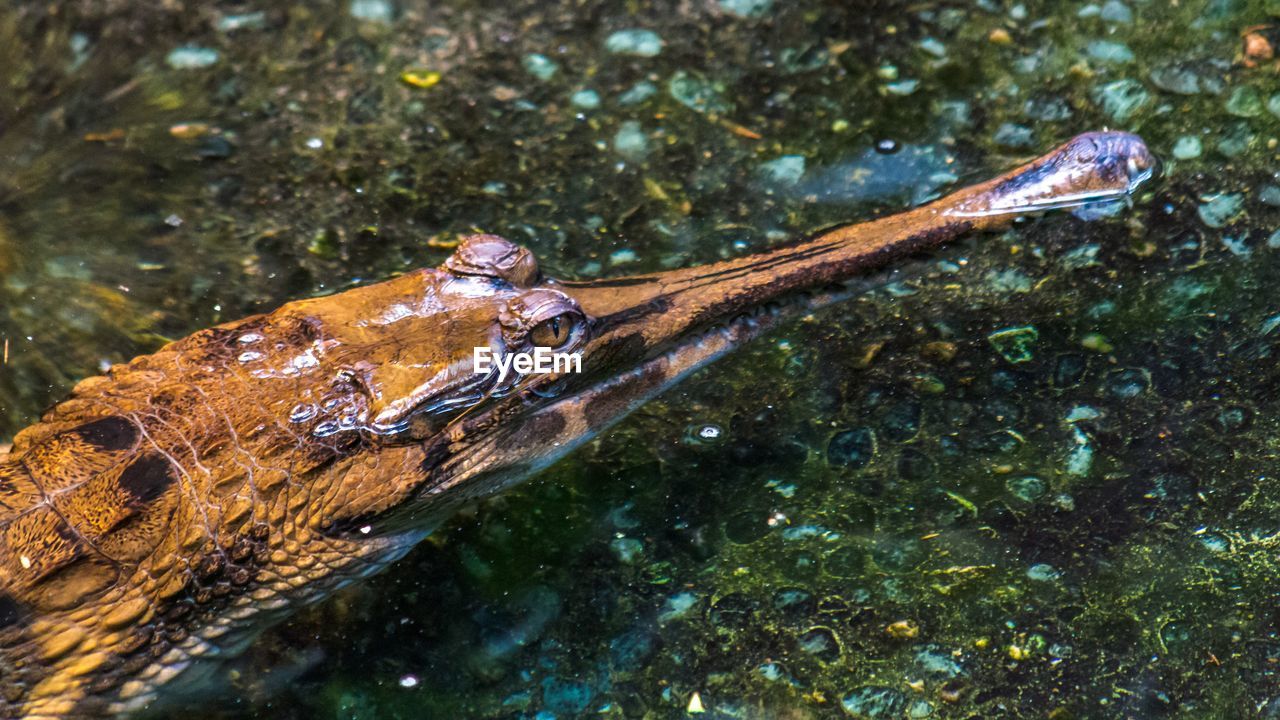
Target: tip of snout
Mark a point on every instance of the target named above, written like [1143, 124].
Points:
[1093, 167]
[1112, 157]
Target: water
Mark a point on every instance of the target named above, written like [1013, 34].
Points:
[861, 536]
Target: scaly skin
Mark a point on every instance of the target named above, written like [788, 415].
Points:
[158, 519]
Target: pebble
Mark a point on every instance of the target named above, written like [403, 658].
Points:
[627, 550]
[697, 93]
[1117, 12]
[586, 99]
[785, 171]
[567, 696]
[623, 256]
[874, 702]
[634, 42]
[638, 93]
[630, 141]
[851, 448]
[1270, 195]
[746, 9]
[1028, 488]
[1245, 101]
[1190, 79]
[1122, 99]
[1015, 136]
[1187, 147]
[1047, 109]
[1218, 210]
[540, 66]
[1042, 572]
[191, 57]
[244, 21]
[677, 606]
[902, 88]
[1109, 51]
[1014, 343]
[372, 10]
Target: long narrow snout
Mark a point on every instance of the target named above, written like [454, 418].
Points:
[660, 309]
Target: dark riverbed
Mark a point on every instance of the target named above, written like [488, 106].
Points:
[1031, 475]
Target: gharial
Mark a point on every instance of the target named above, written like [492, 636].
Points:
[159, 518]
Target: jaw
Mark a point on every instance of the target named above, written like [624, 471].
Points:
[649, 332]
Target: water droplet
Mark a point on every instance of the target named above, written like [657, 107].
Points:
[250, 356]
[408, 681]
[710, 432]
[887, 146]
[249, 338]
[302, 412]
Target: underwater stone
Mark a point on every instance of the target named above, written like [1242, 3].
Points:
[1128, 383]
[902, 87]
[677, 606]
[1015, 343]
[746, 8]
[566, 696]
[938, 663]
[1069, 370]
[540, 66]
[191, 57]
[874, 702]
[849, 563]
[1109, 51]
[634, 42]
[1270, 195]
[1047, 109]
[1027, 489]
[1042, 572]
[1187, 147]
[372, 10]
[794, 603]
[851, 448]
[586, 99]
[630, 141]
[1236, 139]
[1122, 99]
[1116, 12]
[1273, 105]
[915, 465]
[638, 93]
[1219, 209]
[1188, 79]
[1014, 136]
[902, 420]
[786, 170]
[629, 650]
[821, 642]
[697, 93]
[627, 550]
[1245, 102]
[734, 610]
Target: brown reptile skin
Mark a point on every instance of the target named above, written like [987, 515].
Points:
[157, 519]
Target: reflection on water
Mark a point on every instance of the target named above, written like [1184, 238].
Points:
[1029, 475]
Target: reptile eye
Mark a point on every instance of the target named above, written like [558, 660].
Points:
[554, 332]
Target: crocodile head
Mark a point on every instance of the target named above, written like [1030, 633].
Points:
[158, 518]
[487, 426]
